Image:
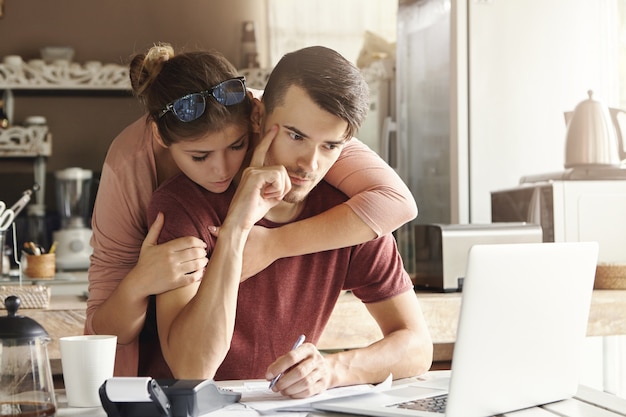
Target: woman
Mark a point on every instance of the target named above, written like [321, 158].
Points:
[126, 260]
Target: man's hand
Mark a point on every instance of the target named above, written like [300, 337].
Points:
[257, 255]
[260, 189]
[271, 183]
[172, 264]
[305, 372]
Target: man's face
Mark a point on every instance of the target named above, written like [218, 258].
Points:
[308, 142]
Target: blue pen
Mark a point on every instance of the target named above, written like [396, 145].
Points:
[295, 346]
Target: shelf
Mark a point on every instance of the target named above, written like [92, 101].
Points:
[19, 142]
[35, 74]
[38, 76]
[255, 77]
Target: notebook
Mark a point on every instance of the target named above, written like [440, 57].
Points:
[522, 323]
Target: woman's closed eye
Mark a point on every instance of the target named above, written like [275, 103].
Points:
[200, 158]
[241, 145]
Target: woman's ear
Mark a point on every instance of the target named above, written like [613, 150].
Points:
[257, 116]
[155, 133]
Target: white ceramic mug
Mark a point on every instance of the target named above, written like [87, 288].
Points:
[87, 362]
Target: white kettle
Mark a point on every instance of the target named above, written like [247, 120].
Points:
[594, 135]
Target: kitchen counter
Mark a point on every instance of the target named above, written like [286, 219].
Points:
[350, 325]
[63, 283]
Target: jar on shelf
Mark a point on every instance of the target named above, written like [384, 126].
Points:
[35, 121]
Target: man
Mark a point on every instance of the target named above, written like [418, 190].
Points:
[226, 328]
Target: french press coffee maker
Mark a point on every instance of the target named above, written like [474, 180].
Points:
[26, 387]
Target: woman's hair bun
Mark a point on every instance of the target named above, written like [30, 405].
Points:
[144, 68]
[159, 53]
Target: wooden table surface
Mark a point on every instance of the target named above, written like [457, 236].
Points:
[351, 326]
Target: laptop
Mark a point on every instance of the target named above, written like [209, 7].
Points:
[522, 323]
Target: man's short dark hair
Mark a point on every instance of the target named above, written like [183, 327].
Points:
[333, 83]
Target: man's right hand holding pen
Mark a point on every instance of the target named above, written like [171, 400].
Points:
[295, 346]
[299, 373]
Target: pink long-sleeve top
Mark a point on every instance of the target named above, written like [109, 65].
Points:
[129, 177]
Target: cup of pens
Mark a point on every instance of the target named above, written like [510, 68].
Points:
[37, 263]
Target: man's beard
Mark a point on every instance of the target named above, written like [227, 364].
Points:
[298, 194]
[294, 197]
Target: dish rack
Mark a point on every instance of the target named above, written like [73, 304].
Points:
[31, 296]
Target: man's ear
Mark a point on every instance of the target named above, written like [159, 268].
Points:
[258, 115]
[155, 133]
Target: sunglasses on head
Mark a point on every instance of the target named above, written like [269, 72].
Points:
[191, 106]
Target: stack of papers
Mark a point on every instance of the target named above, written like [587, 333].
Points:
[257, 396]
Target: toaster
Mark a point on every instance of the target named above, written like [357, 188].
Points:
[441, 249]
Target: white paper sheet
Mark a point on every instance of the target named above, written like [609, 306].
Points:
[258, 396]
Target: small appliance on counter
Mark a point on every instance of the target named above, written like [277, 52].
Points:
[72, 194]
[594, 135]
[568, 209]
[442, 249]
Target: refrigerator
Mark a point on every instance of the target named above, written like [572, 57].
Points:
[481, 87]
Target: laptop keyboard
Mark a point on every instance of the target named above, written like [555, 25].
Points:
[435, 404]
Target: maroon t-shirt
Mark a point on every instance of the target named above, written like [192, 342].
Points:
[293, 295]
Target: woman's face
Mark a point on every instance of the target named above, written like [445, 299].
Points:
[213, 160]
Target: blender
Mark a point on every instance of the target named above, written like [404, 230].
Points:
[72, 193]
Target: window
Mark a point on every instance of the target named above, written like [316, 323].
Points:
[621, 7]
[337, 24]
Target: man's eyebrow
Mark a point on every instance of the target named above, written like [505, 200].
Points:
[337, 142]
[296, 131]
[304, 135]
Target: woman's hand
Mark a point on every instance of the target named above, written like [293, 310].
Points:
[171, 265]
